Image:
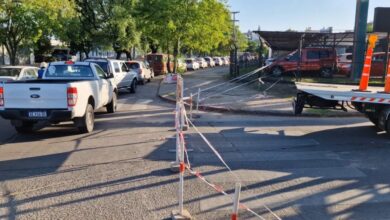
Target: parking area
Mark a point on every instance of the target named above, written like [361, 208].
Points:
[301, 168]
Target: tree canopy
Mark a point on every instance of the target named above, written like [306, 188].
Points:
[169, 26]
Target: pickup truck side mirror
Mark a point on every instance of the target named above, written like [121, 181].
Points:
[110, 75]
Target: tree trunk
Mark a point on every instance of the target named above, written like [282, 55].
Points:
[169, 61]
[128, 55]
[118, 54]
[153, 47]
[175, 54]
[12, 52]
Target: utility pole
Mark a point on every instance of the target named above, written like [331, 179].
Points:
[233, 51]
[359, 38]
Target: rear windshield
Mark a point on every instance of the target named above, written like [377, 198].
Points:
[188, 61]
[102, 64]
[132, 65]
[9, 71]
[61, 71]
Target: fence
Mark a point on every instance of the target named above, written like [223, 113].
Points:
[182, 162]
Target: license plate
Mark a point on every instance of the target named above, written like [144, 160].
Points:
[37, 114]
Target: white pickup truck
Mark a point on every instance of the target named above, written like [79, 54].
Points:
[68, 91]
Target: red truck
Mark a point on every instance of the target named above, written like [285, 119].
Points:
[321, 60]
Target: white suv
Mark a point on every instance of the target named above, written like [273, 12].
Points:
[123, 76]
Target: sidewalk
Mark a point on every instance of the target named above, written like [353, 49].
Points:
[249, 99]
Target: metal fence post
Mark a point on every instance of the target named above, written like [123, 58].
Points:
[236, 201]
[197, 101]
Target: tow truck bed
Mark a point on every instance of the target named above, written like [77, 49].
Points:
[373, 103]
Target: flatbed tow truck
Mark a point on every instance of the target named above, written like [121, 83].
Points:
[373, 103]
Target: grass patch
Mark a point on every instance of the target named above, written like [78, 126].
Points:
[334, 80]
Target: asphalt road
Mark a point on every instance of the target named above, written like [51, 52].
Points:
[301, 168]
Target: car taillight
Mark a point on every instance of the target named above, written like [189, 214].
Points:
[72, 96]
[140, 71]
[1, 96]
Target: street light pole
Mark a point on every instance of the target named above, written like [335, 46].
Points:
[233, 52]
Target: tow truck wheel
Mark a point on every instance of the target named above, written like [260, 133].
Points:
[276, 71]
[374, 119]
[298, 104]
[326, 73]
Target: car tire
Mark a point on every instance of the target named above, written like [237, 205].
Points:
[298, 104]
[133, 86]
[276, 71]
[111, 107]
[326, 73]
[86, 123]
[25, 127]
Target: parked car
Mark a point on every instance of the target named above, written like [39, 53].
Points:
[210, 61]
[62, 54]
[14, 73]
[269, 61]
[344, 63]
[218, 61]
[377, 65]
[321, 60]
[192, 64]
[144, 73]
[124, 77]
[159, 63]
[225, 61]
[202, 62]
[68, 91]
[181, 66]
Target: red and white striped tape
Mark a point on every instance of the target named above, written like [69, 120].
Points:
[220, 190]
[366, 99]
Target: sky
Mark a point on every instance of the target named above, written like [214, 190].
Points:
[280, 15]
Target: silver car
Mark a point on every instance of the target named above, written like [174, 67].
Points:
[14, 73]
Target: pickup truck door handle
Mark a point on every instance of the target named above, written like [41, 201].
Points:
[35, 89]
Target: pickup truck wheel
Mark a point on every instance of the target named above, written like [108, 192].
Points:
[86, 123]
[276, 71]
[133, 86]
[111, 107]
[25, 127]
[326, 73]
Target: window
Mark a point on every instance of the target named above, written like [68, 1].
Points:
[313, 55]
[100, 72]
[61, 71]
[30, 73]
[132, 66]
[116, 67]
[124, 67]
[293, 57]
[10, 72]
[103, 65]
[324, 54]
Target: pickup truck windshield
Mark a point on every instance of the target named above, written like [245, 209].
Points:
[61, 71]
[9, 71]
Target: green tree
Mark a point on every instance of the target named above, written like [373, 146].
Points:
[23, 22]
[199, 25]
[107, 24]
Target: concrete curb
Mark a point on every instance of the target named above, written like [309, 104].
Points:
[258, 112]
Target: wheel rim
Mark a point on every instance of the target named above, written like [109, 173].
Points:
[114, 99]
[277, 72]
